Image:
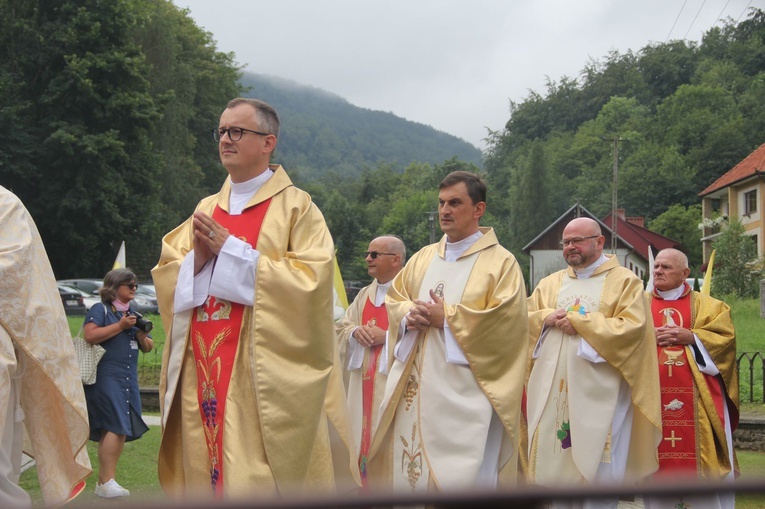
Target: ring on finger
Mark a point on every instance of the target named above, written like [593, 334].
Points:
[211, 234]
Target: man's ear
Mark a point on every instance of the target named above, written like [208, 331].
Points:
[480, 209]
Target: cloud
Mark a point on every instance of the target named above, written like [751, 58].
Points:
[451, 64]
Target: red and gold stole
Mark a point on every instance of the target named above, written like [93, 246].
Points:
[678, 451]
[215, 329]
[371, 315]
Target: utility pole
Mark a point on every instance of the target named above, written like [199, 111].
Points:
[432, 214]
[614, 201]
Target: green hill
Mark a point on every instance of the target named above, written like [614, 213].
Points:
[323, 132]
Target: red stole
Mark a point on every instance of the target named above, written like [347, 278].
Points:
[215, 330]
[371, 315]
[678, 450]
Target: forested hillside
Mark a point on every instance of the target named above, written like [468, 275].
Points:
[323, 132]
[107, 108]
[685, 114]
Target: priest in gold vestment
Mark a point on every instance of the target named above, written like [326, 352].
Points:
[696, 345]
[592, 403]
[40, 387]
[457, 344]
[251, 389]
[361, 336]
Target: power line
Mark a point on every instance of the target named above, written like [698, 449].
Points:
[721, 13]
[675, 23]
[742, 12]
[694, 19]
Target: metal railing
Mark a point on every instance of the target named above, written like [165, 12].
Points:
[751, 376]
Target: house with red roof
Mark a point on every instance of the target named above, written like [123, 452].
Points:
[738, 193]
[627, 237]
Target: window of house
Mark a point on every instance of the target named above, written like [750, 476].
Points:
[750, 202]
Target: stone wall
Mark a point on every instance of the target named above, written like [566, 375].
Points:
[750, 435]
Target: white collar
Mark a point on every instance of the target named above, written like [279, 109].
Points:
[586, 272]
[241, 192]
[455, 249]
[673, 294]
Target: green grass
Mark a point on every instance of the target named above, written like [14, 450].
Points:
[136, 471]
[752, 465]
[750, 339]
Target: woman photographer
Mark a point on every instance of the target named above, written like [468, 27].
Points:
[114, 402]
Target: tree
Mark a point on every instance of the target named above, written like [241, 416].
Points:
[681, 224]
[102, 105]
[737, 269]
[529, 210]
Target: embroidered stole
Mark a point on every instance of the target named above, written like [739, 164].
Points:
[571, 400]
[370, 315]
[214, 333]
[442, 420]
[679, 448]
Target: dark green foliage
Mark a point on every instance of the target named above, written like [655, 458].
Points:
[102, 107]
[681, 224]
[323, 132]
[686, 114]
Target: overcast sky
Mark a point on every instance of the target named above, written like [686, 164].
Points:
[452, 64]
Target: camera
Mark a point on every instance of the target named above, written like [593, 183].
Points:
[141, 322]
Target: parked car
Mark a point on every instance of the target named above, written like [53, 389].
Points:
[146, 299]
[143, 302]
[90, 285]
[72, 301]
[692, 283]
[87, 298]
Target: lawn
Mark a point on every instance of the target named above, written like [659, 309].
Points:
[750, 348]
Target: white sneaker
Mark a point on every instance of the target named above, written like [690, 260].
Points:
[111, 489]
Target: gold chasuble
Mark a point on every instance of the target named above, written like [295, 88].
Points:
[37, 358]
[693, 403]
[573, 404]
[438, 419]
[252, 396]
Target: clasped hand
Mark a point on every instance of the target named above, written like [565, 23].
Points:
[426, 314]
[209, 237]
[670, 335]
[369, 335]
[559, 319]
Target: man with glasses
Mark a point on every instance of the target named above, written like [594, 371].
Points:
[361, 338]
[251, 384]
[457, 343]
[592, 397]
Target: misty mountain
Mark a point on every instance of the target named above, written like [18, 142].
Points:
[323, 132]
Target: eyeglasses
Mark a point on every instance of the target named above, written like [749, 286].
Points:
[576, 240]
[375, 254]
[132, 286]
[234, 133]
